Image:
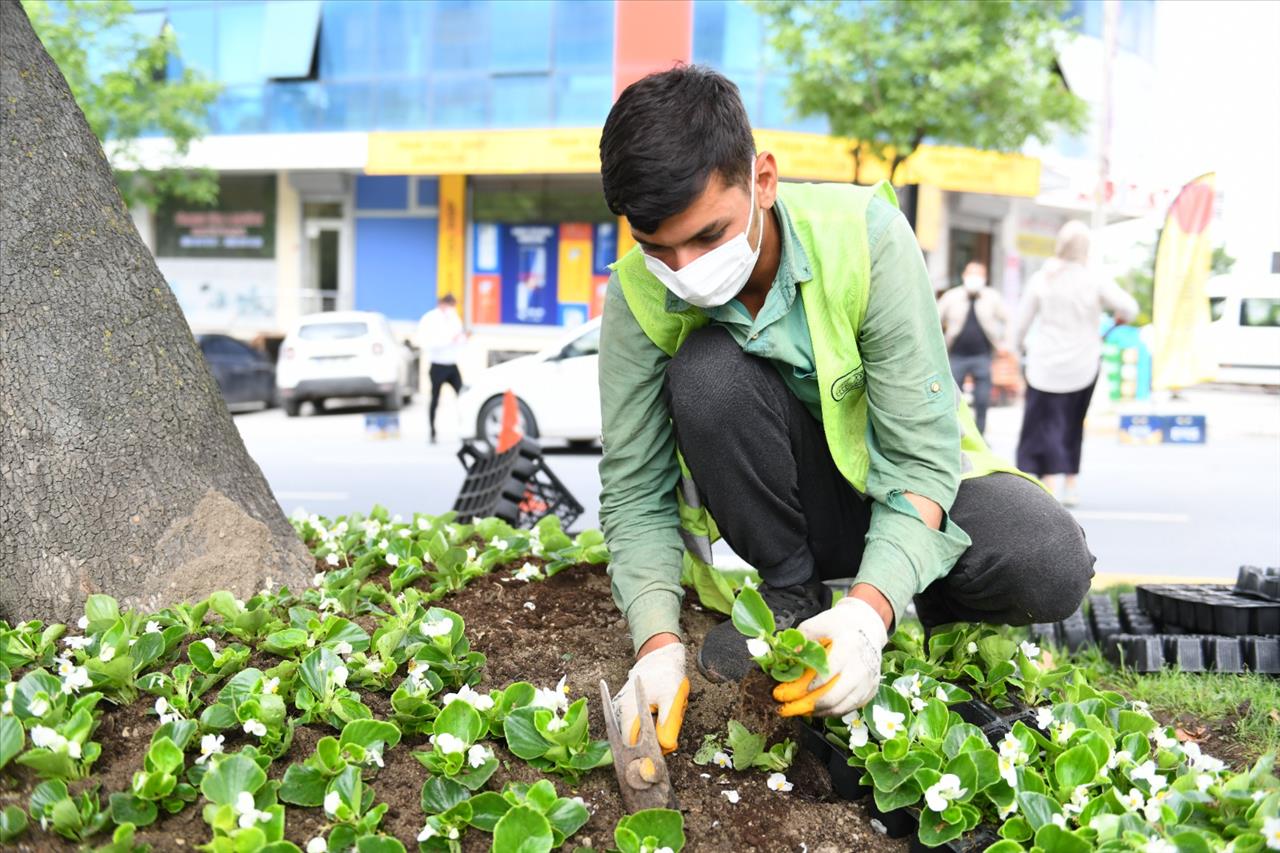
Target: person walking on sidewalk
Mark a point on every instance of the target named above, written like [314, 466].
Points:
[1065, 300]
[783, 341]
[440, 334]
[973, 325]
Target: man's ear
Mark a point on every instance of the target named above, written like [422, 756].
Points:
[767, 179]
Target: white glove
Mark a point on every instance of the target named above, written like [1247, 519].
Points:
[666, 689]
[857, 637]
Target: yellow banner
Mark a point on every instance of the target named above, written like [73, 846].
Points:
[451, 236]
[575, 151]
[1181, 352]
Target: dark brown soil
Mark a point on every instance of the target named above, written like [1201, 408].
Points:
[573, 630]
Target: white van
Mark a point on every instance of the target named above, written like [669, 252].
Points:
[1246, 327]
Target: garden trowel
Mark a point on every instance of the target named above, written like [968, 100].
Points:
[641, 769]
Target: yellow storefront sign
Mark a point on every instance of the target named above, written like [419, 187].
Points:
[570, 151]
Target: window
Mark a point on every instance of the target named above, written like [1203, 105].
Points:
[519, 35]
[194, 30]
[404, 37]
[522, 100]
[289, 33]
[348, 39]
[584, 35]
[239, 43]
[1260, 312]
[332, 331]
[588, 344]
[1217, 304]
[460, 102]
[241, 224]
[459, 35]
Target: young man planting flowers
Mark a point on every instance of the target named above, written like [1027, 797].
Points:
[783, 339]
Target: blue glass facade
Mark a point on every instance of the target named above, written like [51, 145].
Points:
[291, 66]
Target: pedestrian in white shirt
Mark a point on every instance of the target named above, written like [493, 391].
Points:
[440, 334]
[1067, 298]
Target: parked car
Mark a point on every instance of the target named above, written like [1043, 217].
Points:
[344, 354]
[1246, 327]
[244, 374]
[557, 391]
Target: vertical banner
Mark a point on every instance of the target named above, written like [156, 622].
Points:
[574, 289]
[451, 242]
[1182, 353]
[486, 280]
[529, 263]
[604, 252]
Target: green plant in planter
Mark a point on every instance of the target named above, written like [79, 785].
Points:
[559, 744]
[348, 802]
[441, 644]
[159, 783]
[323, 694]
[309, 630]
[63, 751]
[784, 655]
[13, 823]
[650, 831]
[743, 750]
[529, 818]
[251, 701]
[75, 818]
[242, 808]
[455, 753]
[412, 707]
[29, 643]
[247, 621]
[361, 745]
[181, 688]
[216, 662]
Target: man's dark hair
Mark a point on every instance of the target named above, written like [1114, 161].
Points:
[448, 299]
[665, 136]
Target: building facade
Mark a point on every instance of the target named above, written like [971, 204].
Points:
[376, 154]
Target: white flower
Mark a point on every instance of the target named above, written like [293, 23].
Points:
[248, 811]
[471, 554]
[1203, 781]
[339, 675]
[500, 544]
[271, 686]
[436, 627]
[318, 578]
[1133, 801]
[428, 832]
[528, 572]
[83, 623]
[914, 686]
[332, 560]
[917, 704]
[1010, 746]
[331, 802]
[418, 669]
[555, 699]
[209, 746]
[38, 706]
[1008, 770]
[106, 654]
[1044, 718]
[153, 627]
[477, 755]
[778, 782]
[757, 647]
[1065, 730]
[1004, 812]
[1031, 650]
[255, 727]
[1258, 795]
[1162, 739]
[555, 724]
[73, 748]
[383, 545]
[404, 533]
[208, 643]
[1060, 820]
[731, 796]
[393, 559]
[77, 642]
[1079, 799]
[857, 728]
[939, 796]
[529, 605]
[449, 744]
[162, 706]
[421, 523]
[1271, 832]
[373, 755]
[1154, 811]
[76, 681]
[342, 647]
[722, 759]
[888, 722]
[328, 602]
[940, 694]
[44, 737]
[6, 707]
[972, 648]
[477, 700]
[1200, 761]
[1147, 772]
[1159, 845]
[317, 845]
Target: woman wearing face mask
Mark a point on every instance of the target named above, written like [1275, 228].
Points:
[1067, 299]
[973, 325]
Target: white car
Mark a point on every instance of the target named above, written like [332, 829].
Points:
[557, 391]
[343, 354]
[1246, 327]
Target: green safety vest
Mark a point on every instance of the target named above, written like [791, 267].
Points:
[830, 220]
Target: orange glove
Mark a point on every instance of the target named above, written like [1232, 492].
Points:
[666, 689]
[854, 636]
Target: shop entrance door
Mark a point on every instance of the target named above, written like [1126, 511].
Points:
[323, 229]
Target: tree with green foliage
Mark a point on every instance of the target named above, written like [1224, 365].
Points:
[120, 78]
[895, 73]
[1140, 281]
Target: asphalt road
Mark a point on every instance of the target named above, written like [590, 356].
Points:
[1185, 511]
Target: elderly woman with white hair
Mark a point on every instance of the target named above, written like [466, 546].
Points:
[1066, 300]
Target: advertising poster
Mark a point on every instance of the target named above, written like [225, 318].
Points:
[575, 273]
[486, 283]
[529, 263]
[604, 253]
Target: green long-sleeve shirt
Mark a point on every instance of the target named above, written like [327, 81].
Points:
[913, 436]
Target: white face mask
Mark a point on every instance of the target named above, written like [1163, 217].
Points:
[716, 277]
[974, 283]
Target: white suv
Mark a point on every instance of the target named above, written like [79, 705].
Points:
[343, 354]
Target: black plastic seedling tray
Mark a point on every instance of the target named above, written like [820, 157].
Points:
[1262, 654]
[1259, 582]
[898, 823]
[1210, 609]
[980, 839]
[1195, 653]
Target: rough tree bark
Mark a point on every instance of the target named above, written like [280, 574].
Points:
[120, 469]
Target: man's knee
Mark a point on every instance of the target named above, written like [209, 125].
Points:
[702, 378]
[1055, 572]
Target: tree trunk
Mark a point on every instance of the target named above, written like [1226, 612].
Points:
[120, 469]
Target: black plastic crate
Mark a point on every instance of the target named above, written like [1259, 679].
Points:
[1262, 654]
[1044, 633]
[1075, 631]
[1186, 651]
[898, 823]
[813, 739]
[1222, 654]
[1137, 652]
[844, 779]
[516, 486]
[978, 840]
[1259, 582]
[976, 712]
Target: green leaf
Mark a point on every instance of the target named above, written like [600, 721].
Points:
[164, 756]
[230, 776]
[12, 739]
[1016, 829]
[751, 616]
[13, 822]
[101, 610]
[1037, 808]
[379, 844]
[148, 648]
[522, 734]
[1006, 846]
[201, 658]
[935, 831]
[284, 641]
[522, 830]
[1076, 766]
[126, 808]
[460, 720]
[665, 826]
[440, 794]
[487, 809]
[1054, 839]
[567, 816]
[303, 786]
[366, 733]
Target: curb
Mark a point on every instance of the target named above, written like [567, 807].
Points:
[1102, 580]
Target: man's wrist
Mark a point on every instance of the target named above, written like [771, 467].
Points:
[879, 603]
[656, 642]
